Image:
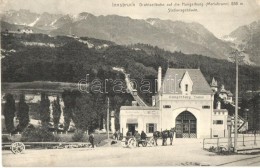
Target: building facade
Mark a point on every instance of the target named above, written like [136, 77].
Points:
[184, 101]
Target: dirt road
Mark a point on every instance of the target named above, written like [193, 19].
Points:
[183, 152]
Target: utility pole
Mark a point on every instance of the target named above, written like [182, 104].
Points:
[107, 117]
[236, 56]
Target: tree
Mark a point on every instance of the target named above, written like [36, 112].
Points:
[69, 97]
[56, 112]
[118, 102]
[23, 114]
[9, 112]
[45, 110]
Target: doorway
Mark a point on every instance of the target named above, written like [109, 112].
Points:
[186, 125]
[131, 128]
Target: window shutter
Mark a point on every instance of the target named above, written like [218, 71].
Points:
[147, 128]
[155, 127]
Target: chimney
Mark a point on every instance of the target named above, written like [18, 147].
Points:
[159, 78]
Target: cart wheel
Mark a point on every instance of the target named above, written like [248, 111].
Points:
[152, 142]
[131, 143]
[123, 142]
[17, 147]
[144, 143]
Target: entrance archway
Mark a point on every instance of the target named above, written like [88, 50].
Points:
[186, 125]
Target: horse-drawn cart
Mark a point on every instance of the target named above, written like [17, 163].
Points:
[132, 142]
[149, 141]
[129, 142]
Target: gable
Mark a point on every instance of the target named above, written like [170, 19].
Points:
[173, 78]
[186, 84]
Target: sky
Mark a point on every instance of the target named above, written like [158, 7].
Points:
[220, 20]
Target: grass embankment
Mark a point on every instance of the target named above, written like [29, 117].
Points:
[37, 86]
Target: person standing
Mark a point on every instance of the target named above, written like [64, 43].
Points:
[91, 139]
[164, 137]
[138, 138]
[143, 136]
[171, 135]
[116, 135]
[128, 136]
[156, 136]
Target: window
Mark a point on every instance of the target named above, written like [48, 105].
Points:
[206, 107]
[218, 122]
[186, 87]
[151, 128]
[166, 106]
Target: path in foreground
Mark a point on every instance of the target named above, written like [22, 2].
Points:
[183, 152]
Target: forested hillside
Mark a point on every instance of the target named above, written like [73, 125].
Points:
[32, 57]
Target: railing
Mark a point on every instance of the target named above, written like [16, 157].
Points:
[244, 141]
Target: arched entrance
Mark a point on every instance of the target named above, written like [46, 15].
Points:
[186, 125]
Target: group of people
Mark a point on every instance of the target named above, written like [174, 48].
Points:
[139, 137]
[156, 135]
[142, 137]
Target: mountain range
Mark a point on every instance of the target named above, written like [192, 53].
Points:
[247, 39]
[189, 38]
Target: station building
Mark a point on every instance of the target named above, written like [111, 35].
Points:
[184, 101]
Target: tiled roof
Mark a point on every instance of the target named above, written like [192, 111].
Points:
[229, 93]
[200, 85]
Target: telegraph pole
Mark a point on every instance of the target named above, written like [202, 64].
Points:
[107, 117]
[237, 56]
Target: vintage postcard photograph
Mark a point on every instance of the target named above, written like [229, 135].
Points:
[130, 83]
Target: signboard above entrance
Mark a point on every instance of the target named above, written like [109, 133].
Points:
[187, 97]
[132, 121]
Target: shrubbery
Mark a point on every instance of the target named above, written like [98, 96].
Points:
[5, 139]
[32, 134]
[78, 136]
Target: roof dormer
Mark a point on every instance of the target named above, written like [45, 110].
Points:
[186, 84]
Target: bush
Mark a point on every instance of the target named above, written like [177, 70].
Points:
[41, 134]
[78, 136]
[5, 139]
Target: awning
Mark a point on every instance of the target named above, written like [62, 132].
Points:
[131, 121]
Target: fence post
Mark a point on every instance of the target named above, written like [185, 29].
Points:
[203, 143]
[243, 139]
[224, 133]
[229, 138]
[217, 142]
[255, 140]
